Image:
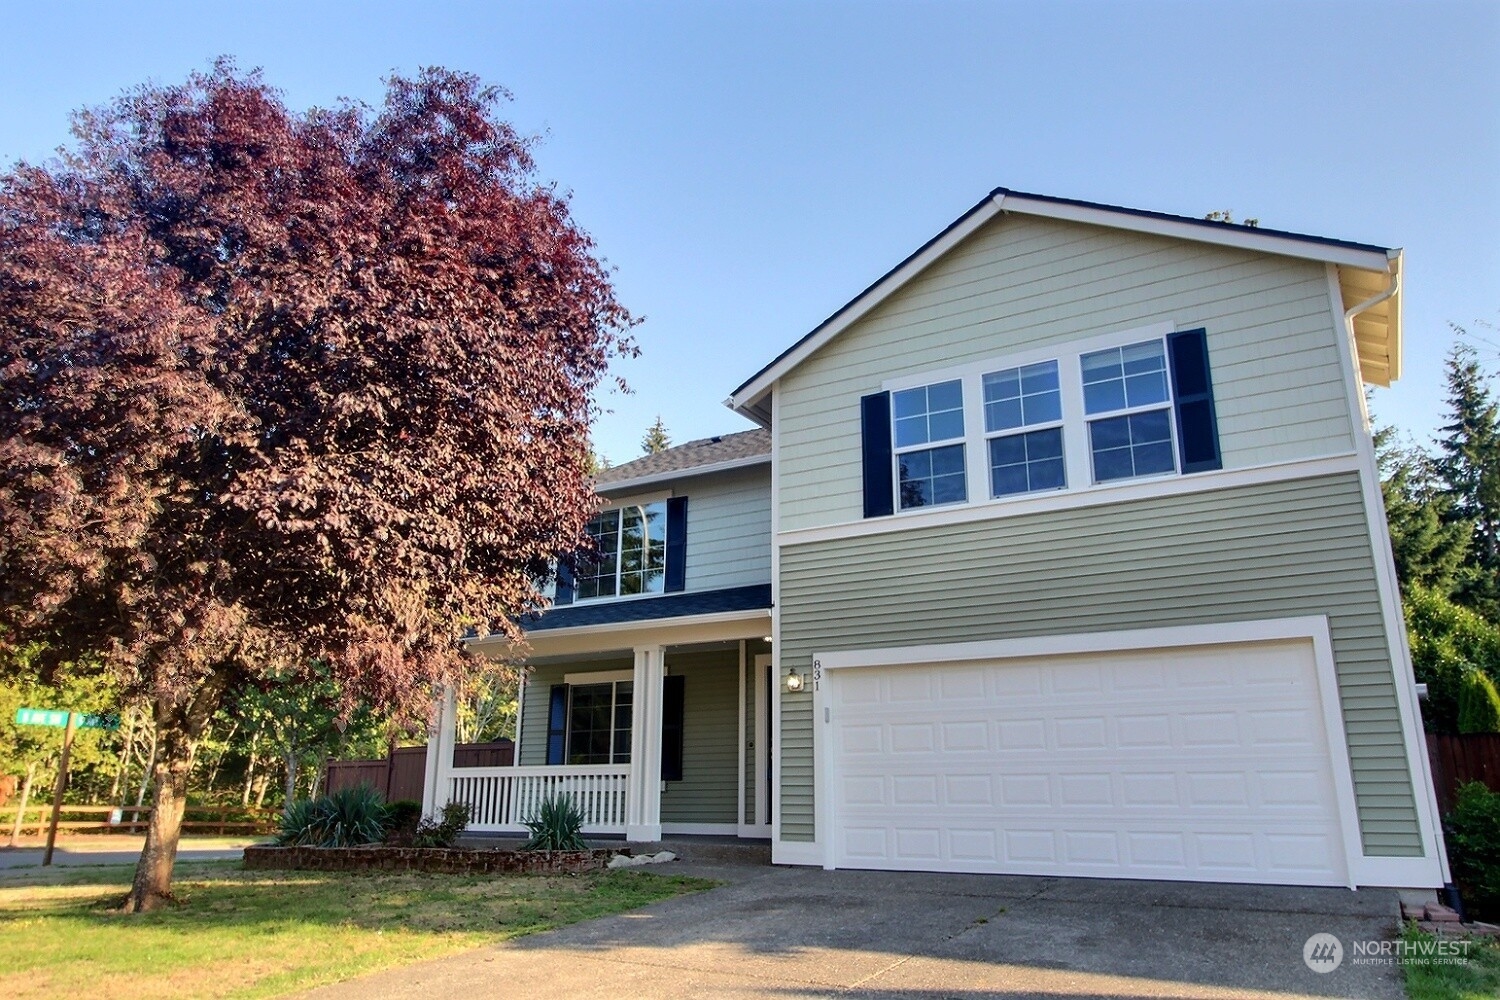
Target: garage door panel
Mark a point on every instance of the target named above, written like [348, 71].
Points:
[1106, 766]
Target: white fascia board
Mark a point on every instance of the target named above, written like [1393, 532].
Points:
[867, 300]
[685, 628]
[1369, 260]
[606, 489]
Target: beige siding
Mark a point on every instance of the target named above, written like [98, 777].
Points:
[1290, 549]
[729, 528]
[1021, 283]
[710, 786]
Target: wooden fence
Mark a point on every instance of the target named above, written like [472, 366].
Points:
[221, 820]
[1457, 760]
[402, 773]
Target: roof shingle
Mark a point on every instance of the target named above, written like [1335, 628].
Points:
[702, 453]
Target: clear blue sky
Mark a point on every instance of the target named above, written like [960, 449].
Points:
[748, 167]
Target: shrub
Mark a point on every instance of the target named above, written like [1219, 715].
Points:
[349, 817]
[1474, 848]
[1447, 642]
[401, 819]
[443, 832]
[1478, 704]
[556, 826]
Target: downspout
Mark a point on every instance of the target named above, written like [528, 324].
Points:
[1349, 314]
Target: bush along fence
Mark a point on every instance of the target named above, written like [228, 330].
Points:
[402, 773]
[94, 819]
[1459, 759]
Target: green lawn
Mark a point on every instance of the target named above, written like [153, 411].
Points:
[1478, 978]
[260, 934]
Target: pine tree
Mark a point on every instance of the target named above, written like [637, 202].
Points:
[1429, 551]
[1468, 464]
[656, 440]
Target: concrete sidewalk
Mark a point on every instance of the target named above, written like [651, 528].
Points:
[120, 849]
[798, 932]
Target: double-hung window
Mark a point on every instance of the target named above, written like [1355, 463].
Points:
[1129, 408]
[929, 444]
[1023, 424]
[630, 546]
[599, 723]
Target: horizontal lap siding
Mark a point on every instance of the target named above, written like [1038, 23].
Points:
[729, 529]
[710, 786]
[1278, 551]
[1021, 283]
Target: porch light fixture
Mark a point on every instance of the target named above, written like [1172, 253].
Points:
[793, 679]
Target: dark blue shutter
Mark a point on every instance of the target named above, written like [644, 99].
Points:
[563, 594]
[557, 725]
[676, 545]
[673, 702]
[1193, 400]
[875, 430]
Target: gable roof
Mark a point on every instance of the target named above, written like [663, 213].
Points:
[711, 454]
[1378, 333]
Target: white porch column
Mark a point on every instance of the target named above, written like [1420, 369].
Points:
[643, 792]
[439, 764]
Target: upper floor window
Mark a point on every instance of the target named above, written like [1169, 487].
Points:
[630, 552]
[1129, 405]
[1023, 425]
[1112, 409]
[930, 470]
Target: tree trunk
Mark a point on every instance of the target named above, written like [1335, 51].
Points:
[250, 771]
[262, 784]
[15, 830]
[148, 771]
[291, 781]
[178, 727]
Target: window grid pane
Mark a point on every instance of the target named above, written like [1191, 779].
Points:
[595, 576]
[928, 413]
[932, 477]
[1027, 463]
[1139, 444]
[1017, 397]
[1125, 378]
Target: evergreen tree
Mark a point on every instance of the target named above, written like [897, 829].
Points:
[1468, 463]
[656, 439]
[1429, 550]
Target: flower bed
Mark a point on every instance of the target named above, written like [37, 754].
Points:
[446, 860]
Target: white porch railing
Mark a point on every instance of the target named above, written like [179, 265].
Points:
[500, 799]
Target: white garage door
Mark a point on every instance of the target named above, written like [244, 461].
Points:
[1209, 763]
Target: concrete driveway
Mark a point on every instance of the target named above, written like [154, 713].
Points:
[798, 932]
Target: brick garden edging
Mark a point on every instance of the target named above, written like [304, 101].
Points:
[445, 860]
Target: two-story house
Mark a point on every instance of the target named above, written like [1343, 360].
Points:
[1061, 551]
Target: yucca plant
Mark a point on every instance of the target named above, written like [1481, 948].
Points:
[349, 817]
[556, 826]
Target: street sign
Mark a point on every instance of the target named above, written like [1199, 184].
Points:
[59, 719]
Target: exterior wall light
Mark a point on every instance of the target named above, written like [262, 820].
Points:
[793, 679]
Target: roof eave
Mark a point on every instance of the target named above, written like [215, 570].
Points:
[656, 478]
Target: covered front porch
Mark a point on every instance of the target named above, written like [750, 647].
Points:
[653, 728]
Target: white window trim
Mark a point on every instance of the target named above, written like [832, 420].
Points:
[1077, 453]
[620, 506]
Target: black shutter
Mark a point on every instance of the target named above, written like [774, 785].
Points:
[557, 725]
[676, 545]
[563, 593]
[1193, 400]
[673, 700]
[875, 430]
